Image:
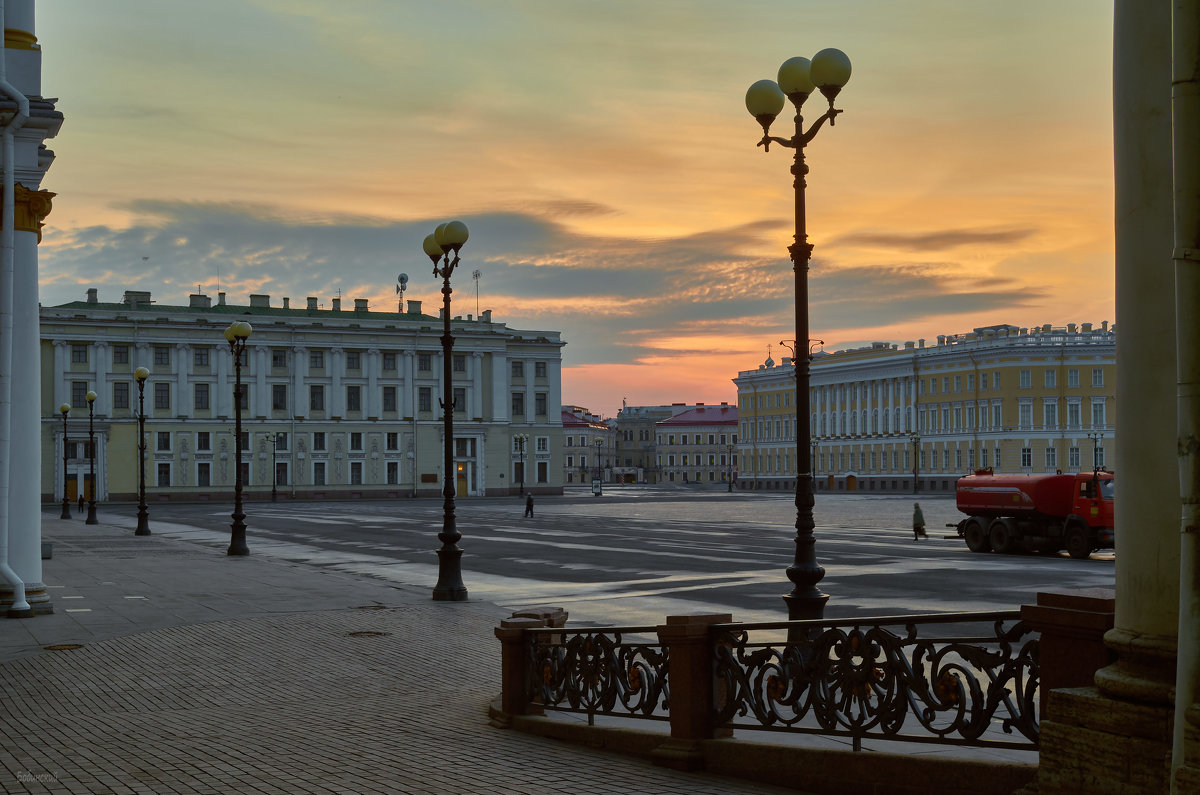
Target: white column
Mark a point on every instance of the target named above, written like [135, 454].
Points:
[183, 387]
[100, 356]
[223, 400]
[299, 377]
[500, 402]
[337, 366]
[374, 370]
[476, 387]
[528, 370]
[261, 407]
[408, 390]
[554, 382]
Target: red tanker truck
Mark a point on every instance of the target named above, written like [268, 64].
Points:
[1036, 513]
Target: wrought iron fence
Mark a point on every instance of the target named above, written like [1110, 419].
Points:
[598, 672]
[860, 679]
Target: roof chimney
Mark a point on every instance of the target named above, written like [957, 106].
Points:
[414, 307]
[337, 304]
[287, 302]
[199, 301]
[260, 301]
[486, 317]
[312, 304]
[360, 305]
[220, 299]
[91, 299]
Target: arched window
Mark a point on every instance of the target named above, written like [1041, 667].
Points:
[853, 422]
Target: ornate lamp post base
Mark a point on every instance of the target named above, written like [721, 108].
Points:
[237, 537]
[450, 587]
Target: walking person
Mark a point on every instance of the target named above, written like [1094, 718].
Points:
[529, 505]
[82, 502]
[918, 522]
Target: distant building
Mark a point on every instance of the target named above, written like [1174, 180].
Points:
[699, 445]
[1012, 399]
[589, 446]
[637, 459]
[336, 403]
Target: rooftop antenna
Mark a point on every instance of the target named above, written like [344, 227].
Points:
[401, 283]
[475, 275]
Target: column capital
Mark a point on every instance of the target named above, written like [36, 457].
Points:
[300, 350]
[183, 346]
[101, 343]
[372, 351]
[61, 343]
[30, 207]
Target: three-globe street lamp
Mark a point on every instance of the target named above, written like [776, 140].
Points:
[599, 471]
[916, 443]
[143, 523]
[65, 409]
[522, 439]
[1096, 439]
[91, 401]
[828, 71]
[273, 438]
[236, 335]
[442, 245]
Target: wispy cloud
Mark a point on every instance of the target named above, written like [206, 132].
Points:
[937, 240]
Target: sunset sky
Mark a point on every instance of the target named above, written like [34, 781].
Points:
[602, 156]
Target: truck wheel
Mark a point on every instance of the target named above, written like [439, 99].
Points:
[1078, 545]
[977, 540]
[1001, 536]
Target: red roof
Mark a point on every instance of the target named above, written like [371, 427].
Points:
[704, 415]
[570, 420]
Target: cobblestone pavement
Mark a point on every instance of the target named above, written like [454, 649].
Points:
[198, 673]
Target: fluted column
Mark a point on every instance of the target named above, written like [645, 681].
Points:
[183, 390]
[261, 407]
[408, 390]
[476, 388]
[337, 368]
[101, 369]
[374, 403]
[299, 379]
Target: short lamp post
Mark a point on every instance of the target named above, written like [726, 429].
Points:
[236, 335]
[916, 444]
[522, 439]
[273, 438]
[91, 515]
[143, 523]
[64, 410]
[599, 470]
[828, 71]
[442, 248]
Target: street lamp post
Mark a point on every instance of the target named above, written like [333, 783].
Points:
[65, 409]
[143, 523]
[274, 439]
[828, 71]
[729, 461]
[599, 470]
[916, 443]
[91, 401]
[444, 243]
[236, 335]
[1096, 439]
[522, 439]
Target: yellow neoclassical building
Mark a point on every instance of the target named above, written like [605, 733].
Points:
[890, 417]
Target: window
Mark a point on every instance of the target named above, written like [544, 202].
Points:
[539, 403]
[318, 473]
[996, 380]
[244, 397]
[245, 440]
[121, 395]
[162, 396]
[958, 383]
[1051, 458]
[389, 398]
[543, 444]
[278, 357]
[79, 394]
[1026, 457]
[316, 397]
[1073, 458]
[162, 355]
[459, 363]
[393, 472]
[281, 473]
[1073, 415]
[518, 369]
[356, 473]
[316, 360]
[423, 362]
[460, 398]
[518, 404]
[164, 474]
[425, 399]
[279, 397]
[203, 474]
[1051, 377]
[983, 457]
[318, 441]
[970, 382]
[393, 440]
[200, 396]
[1026, 379]
[353, 360]
[1097, 414]
[996, 415]
[1050, 412]
[163, 442]
[120, 354]
[356, 442]
[1098, 457]
[543, 471]
[203, 441]
[200, 357]
[1025, 415]
[1097, 376]
[389, 361]
[354, 398]
[539, 369]
[1073, 378]
[983, 380]
[245, 473]
[79, 353]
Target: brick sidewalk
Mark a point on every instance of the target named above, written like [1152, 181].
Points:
[200, 673]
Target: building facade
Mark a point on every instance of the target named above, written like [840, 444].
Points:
[699, 445]
[637, 449]
[589, 445]
[891, 418]
[334, 403]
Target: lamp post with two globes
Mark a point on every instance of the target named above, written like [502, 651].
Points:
[522, 439]
[442, 247]
[143, 523]
[65, 409]
[828, 71]
[236, 335]
[91, 401]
